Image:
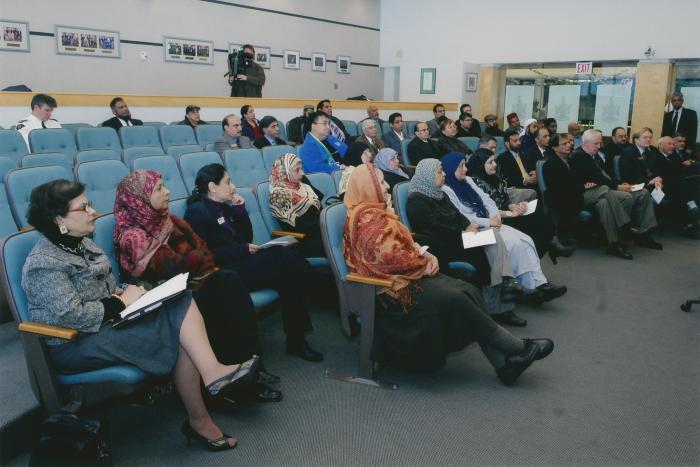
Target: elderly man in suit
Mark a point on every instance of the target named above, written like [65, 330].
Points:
[681, 120]
[393, 137]
[369, 136]
[231, 137]
[122, 115]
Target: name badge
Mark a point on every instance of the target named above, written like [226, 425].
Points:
[234, 145]
[220, 220]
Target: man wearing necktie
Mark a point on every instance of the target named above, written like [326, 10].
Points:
[231, 138]
[338, 130]
[42, 108]
[271, 132]
[681, 120]
[511, 166]
[122, 115]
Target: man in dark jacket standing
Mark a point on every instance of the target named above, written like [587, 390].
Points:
[250, 79]
[681, 120]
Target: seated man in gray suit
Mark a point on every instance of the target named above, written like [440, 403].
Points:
[433, 125]
[393, 137]
[231, 138]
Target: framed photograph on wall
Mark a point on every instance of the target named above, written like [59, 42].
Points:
[176, 49]
[427, 80]
[14, 35]
[262, 56]
[318, 61]
[91, 42]
[472, 80]
[290, 59]
[342, 64]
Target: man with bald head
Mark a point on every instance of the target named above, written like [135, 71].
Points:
[373, 114]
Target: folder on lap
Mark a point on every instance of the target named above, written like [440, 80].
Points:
[153, 300]
[481, 238]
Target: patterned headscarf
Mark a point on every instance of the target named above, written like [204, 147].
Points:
[464, 191]
[423, 180]
[289, 200]
[376, 243]
[382, 160]
[140, 230]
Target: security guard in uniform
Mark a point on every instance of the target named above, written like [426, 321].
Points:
[42, 108]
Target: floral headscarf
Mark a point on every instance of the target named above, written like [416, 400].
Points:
[289, 200]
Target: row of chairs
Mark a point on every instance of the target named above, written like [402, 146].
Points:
[472, 142]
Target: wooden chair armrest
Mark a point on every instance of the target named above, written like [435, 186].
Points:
[412, 167]
[49, 330]
[26, 229]
[359, 278]
[282, 233]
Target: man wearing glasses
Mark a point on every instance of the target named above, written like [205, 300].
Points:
[422, 147]
[231, 138]
[321, 151]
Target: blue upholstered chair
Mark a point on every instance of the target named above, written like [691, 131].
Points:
[99, 138]
[325, 184]
[472, 142]
[190, 163]
[178, 207]
[207, 133]
[49, 158]
[168, 170]
[52, 389]
[155, 125]
[140, 151]
[96, 155]
[500, 145]
[101, 179]
[616, 167]
[271, 153]
[53, 140]
[19, 184]
[74, 127]
[386, 128]
[283, 129]
[139, 136]
[176, 135]
[12, 146]
[542, 184]
[176, 151]
[399, 198]
[7, 221]
[404, 151]
[104, 237]
[337, 175]
[245, 166]
[350, 127]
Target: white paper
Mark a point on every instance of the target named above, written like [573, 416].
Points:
[481, 238]
[519, 99]
[612, 106]
[637, 187]
[281, 241]
[531, 206]
[164, 290]
[658, 195]
[423, 249]
[563, 103]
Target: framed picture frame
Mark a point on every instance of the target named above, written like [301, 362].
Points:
[72, 40]
[195, 51]
[14, 35]
[343, 64]
[427, 80]
[290, 59]
[263, 55]
[318, 61]
[471, 82]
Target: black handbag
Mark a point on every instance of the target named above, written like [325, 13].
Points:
[66, 439]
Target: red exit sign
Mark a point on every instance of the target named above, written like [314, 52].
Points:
[584, 68]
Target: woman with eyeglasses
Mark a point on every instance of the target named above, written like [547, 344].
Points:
[68, 281]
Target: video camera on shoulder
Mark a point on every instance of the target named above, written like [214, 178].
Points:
[239, 61]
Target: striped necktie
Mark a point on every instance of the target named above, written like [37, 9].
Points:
[336, 131]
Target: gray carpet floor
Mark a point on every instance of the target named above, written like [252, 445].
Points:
[621, 388]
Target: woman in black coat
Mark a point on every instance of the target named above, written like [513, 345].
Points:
[448, 142]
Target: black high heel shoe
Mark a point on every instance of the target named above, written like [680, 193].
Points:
[219, 444]
[244, 374]
[557, 249]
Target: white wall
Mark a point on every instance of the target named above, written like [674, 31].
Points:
[149, 21]
[452, 32]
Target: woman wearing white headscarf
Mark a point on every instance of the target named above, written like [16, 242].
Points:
[387, 160]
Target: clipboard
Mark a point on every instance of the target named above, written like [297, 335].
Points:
[153, 300]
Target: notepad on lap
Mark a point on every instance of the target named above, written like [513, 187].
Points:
[153, 299]
[481, 238]
[637, 187]
[531, 207]
[282, 241]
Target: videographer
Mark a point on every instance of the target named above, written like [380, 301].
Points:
[244, 75]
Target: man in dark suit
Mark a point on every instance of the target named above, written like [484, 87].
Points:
[271, 132]
[633, 162]
[615, 205]
[681, 120]
[422, 147]
[338, 130]
[122, 115]
[393, 137]
[511, 166]
[536, 153]
[618, 142]
[492, 126]
[467, 108]
[468, 126]
[564, 196]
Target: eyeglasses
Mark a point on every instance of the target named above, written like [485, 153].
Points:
[85, 207]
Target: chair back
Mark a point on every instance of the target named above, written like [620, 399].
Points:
[207, 133]
[154, 124]
[19, 184]
[135, 136]
[399, 198]
[404, 151]
[101, 179]
[332, 230]
[49, 158]
[12, 146]
[95, 155]
[283, 129]
[14, 250]
[616, 168]
[74, 127]
[140, 151]
[176, 135]
[271, 153]
[176, 151]
[386, 128]
[103, 236]
[190, 163]
[53, 140]
[262, 194]
[178, 207]
[7, 221]
[350, 127]
[324, 183]
[337, 176]
[167, 168]
[260, 233]
[472, 142]
[99, 138]
[500, 145]
[539, 170]
[245, 166]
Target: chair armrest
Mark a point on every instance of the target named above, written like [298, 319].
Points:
[354, 277]
[412, 167]
[282, 233]
[49, 330]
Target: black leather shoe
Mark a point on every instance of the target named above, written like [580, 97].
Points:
[516, 364]
[546, 347]
[304, 350]
[510, 290]
[267, 378]
[557, 249]
[267, 394]
[550, 291]
[646, 241]
[509, 318]
[617, 249]
[691, 231]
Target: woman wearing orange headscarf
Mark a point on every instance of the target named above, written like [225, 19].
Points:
[424, 315]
